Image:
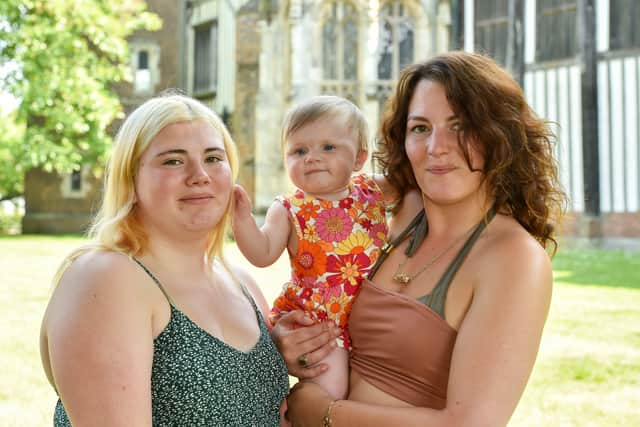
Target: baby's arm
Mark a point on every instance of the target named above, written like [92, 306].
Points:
[261, 246]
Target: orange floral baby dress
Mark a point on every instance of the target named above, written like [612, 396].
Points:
[338, 243]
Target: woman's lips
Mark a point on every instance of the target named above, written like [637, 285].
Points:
[440, 170]
[197, 198]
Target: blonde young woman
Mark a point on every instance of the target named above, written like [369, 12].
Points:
[147, 324]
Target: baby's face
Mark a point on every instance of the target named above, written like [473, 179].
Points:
[321, 156]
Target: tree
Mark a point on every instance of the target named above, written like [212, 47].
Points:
[11, 135]
[60, 59]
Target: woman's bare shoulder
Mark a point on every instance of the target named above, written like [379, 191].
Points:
[507, 237]
[101, 273]
[509, 254]
[97, 266]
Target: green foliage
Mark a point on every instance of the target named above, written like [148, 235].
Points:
[11, 136]
[61, 59]
[9, 222]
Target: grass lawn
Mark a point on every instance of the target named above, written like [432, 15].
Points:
[588, 370]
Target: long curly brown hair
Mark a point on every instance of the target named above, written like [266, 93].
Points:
[520, 171]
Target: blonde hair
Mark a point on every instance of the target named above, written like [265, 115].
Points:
[116, 227]
[324, 106]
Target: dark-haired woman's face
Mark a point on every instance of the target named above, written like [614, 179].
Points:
[431, 143]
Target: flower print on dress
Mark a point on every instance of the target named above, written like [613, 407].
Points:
[336, 308]
[377, 215]
[329, 292]
[347, 270]
[368, 196]
[310, 234]
[366, 223]
[345, 203]
[310, 261]
[308, 210]
[378, 233]
[338, 242]
[355, 243]
[333, 224]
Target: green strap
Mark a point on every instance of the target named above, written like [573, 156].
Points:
[417, 231]
[155, 280]
[436, 298]
[388, 247]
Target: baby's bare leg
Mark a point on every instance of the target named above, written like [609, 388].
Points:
[335, 380]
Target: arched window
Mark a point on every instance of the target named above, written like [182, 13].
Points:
[396, 42]
[340, 50]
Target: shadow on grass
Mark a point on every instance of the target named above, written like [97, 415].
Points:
[615, 269]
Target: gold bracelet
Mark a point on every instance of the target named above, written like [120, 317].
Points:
[326, 420]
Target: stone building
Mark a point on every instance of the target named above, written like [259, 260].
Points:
[278, 52]
[272, 54]
[64, 203]
[251, 60]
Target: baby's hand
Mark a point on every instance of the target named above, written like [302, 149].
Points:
[242, 203]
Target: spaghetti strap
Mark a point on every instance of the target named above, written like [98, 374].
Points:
[155, 279]
[409, 231]
[244, 289]
[436, 298]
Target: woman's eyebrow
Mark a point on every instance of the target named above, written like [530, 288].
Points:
[183, 151]
[172, 151]
[423, 119]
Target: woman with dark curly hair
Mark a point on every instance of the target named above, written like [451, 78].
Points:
[446, 330]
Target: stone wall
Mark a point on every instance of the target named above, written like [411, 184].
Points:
[610, 225]
[50, 206]
[243, 123]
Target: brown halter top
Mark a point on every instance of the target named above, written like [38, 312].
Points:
[403, 345]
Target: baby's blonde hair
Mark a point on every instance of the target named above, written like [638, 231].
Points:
[324, 106]
[116, 227]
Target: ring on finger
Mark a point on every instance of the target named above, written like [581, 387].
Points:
[303, 360]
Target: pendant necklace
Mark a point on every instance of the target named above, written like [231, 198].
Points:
[403, 278]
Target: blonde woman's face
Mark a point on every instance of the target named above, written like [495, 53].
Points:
[184, 180]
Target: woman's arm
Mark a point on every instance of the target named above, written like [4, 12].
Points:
[261, 246]
[390, 194]
[492, 359]
[411, 198]
[308, 404]
[98, 339]
[499, 338]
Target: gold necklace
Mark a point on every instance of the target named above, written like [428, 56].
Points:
[403, 278]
